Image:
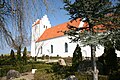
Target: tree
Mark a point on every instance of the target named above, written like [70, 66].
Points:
[13, 36]
[25, 55]
[93, 12]
[12, 58]
[106, 13]
[2, 56]
[16, 18]
[19, 58]
[109, 59]
[12, 54]
[77, 57]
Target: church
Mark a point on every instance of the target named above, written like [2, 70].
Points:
[50, 40]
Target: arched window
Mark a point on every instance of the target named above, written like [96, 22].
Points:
[46, 27]
[66, 47]
[51, 48]
[41, 49]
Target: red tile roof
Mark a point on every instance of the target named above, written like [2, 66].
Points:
[57, 31]
[99, 28]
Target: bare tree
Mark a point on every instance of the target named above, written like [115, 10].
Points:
[16, 18]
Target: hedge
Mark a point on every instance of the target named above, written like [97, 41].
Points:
[22, 68]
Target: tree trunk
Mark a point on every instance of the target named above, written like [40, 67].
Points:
[93, 59]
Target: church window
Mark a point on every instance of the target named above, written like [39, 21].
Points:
[66, 47]
[44, 26]
[51, 48]
[41, 49]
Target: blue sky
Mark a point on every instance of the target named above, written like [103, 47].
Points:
[54, 13]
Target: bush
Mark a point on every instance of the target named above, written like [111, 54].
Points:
[102, 77]
[77, 58]
[57, 72]
[21, 69]
[115, 76]
[41, 74]
[89, 77]
[109, 59]
[5, 62]
[25, 56]
[44, 72]
[61, 71]
[52, 72]
[5, 69]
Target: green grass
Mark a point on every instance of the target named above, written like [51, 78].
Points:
[47, 71]
[56, 72]
[23, 68]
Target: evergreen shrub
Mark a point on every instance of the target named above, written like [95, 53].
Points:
[89, 77]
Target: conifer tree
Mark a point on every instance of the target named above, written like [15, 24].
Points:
[94, 12]
[25, 55]
[12, 58]
[2, 56]
[109, 59]
[19, 54]
[77, 57]
[12, 55]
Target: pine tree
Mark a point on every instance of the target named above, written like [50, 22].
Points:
[25, 55]
[77, 57]
[2, 56]
[19, 54]
[12, 55]
[94, 12]
[12, 58]
[109, 59]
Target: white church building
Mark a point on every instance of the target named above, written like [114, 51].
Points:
[51, 41]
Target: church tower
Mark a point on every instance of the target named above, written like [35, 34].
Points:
[38, 28]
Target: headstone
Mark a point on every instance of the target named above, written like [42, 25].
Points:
[12, 74]
[71, 77]
[33, 71]
[62, 62]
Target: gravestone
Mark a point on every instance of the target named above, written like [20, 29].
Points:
[61, 62]
[12, 74]
[71, 77]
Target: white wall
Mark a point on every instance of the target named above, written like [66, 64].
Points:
[32, 48]
[86, 51]
[58, 47]
[44, 24]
